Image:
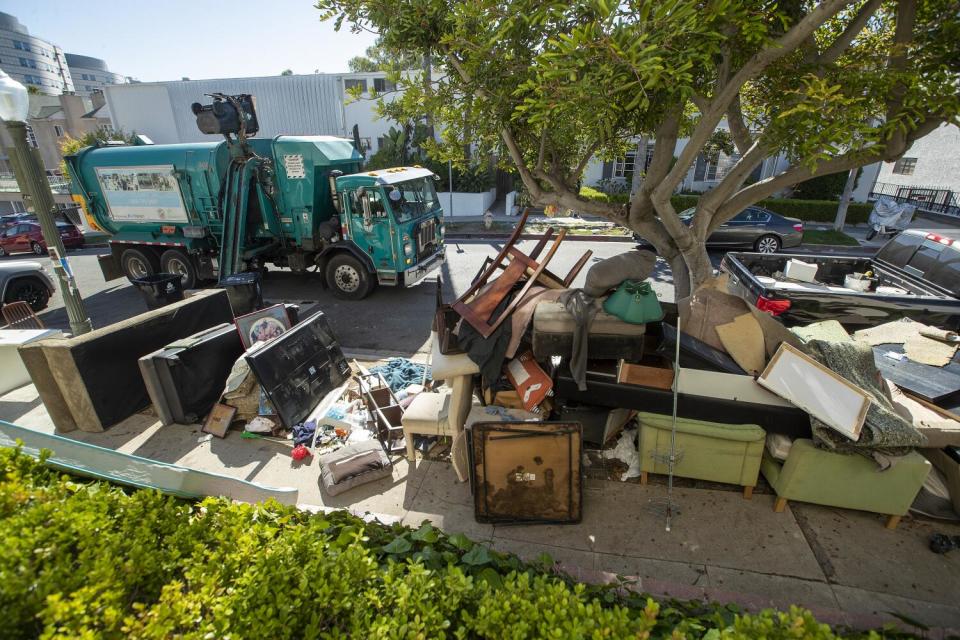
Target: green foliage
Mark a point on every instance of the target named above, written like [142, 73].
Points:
[826, 187]
[828, 236]
[287, 72]
[86, 559]
[475, 177]
[807, 210]
[70, 145]
[380, 58]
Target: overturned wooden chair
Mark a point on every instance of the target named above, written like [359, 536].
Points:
[478, 305]
[20, 315]
[546, 277]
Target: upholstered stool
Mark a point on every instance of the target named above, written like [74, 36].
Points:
[707, 450]
[833, 479]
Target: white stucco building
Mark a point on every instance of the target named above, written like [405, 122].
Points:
[928, 174]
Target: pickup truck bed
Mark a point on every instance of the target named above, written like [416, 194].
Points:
[900, 290]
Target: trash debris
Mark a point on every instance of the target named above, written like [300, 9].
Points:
[260, 424]
[400, 373]
[300, 452]
[626, 452]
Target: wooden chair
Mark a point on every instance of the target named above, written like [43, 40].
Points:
[20, 315]
[547, 278]
[478, 304]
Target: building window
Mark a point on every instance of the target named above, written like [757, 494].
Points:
[365, 144]
[22, 46]
[905, 166]
[350, 83]
[381, 141]
[57, 129]
[382, 85]
[30, 64]
[106, 128]
[623, 167]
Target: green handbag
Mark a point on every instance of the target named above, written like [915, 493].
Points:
[634, 302]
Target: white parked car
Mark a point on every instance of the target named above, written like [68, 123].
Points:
[25, 280]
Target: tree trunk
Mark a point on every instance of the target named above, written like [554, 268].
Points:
[690, 270]
[639, 166]
[841, 219]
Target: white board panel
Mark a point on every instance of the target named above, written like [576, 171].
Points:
[820, 392]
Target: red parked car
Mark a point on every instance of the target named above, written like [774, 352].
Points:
[26, 236]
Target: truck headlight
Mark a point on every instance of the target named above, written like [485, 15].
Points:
[408, 248]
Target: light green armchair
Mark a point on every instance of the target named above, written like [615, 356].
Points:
[833, 479]
[708, 450]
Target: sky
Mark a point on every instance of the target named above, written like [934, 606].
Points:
[172, 39]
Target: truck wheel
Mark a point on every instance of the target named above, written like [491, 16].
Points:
[767, 244]
[174, 261]
[29, 290]
[348, 278]
[138, 264]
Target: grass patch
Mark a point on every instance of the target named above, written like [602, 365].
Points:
[828, 236]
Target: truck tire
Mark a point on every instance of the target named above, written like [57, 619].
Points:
[348, 278]
[177, 262]
[138, 263]
[30, 290]
[767, 244]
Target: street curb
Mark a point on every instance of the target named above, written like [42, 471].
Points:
[531, 236]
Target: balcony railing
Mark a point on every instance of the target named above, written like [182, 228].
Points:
[58, 184]
[932, 199]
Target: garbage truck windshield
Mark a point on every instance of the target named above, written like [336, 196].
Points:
[412, 198]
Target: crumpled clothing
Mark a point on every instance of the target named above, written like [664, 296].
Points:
[303, 433]
[400, 373]
[584, 309]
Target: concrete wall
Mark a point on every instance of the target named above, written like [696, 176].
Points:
[466, 204]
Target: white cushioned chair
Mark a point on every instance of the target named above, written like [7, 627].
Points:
[441, 412]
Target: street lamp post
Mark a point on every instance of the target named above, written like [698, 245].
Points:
[14, 105]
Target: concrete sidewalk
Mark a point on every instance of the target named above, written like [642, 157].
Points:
[844, 565]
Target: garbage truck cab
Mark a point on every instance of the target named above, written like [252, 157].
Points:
[213, 209]
[394, 217]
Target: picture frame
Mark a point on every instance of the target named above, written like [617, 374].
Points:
[219, 419]
[262, 325]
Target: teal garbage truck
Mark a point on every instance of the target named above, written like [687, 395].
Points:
[208, 210]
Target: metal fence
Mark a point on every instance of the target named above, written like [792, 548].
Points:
[932, 199]
[58, 184]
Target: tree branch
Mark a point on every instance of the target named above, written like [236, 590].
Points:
[543, 147]
[799, 173]
[897, 63]
[843, 41]
[582, 165]
[785, 44]
[738, 128]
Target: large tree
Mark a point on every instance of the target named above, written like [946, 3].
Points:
[832, 85]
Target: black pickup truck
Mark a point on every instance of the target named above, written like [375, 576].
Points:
[915, 275]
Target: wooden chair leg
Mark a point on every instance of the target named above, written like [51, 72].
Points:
[411, 454]
[643, 477]
[747, 493]
[892, 522]
[780, 505]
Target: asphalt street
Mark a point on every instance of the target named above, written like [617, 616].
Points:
[389, 320]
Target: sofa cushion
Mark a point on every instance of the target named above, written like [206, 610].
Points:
[428, 411]
[552, 317]
[737, 432]
[352, 466]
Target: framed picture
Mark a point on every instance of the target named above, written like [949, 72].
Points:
[263, 325]
[218, 422]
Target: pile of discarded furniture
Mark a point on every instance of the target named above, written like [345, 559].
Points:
[536, 372]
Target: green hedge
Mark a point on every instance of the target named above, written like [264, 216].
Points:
[806, 210]
[90, 560]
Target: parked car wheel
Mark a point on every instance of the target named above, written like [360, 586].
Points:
[37, 248]
[29, 290]
[177, 262]
[3, 252]
[138, 264]
[767, 244]
[348, 278]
